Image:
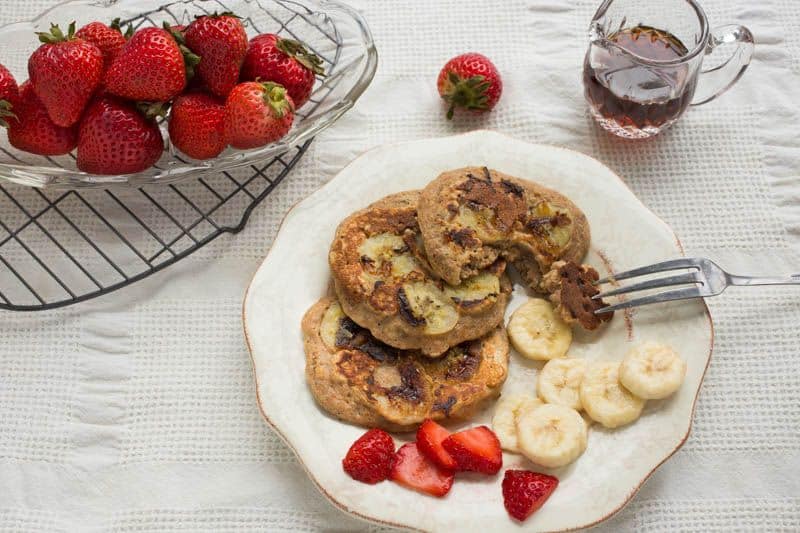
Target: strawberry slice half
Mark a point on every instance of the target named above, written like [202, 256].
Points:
[429, 441]
[369, 459]
[524, 492]
[415, 471]
[476, 450]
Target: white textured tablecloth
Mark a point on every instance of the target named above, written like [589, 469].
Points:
[136, 411]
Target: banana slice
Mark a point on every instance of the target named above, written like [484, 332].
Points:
[605, 399]
[559, 382]
[537, 332]
[426, 305]
[405, 264]
[504, 421]
[329, 326]
[652, 371]
[557, 234]
[481, 220]
[551, 435]
[382, 247]
[391, 248]
[475, 291]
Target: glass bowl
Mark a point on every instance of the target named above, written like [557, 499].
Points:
[334, 31]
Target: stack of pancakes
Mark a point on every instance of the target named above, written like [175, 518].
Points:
[415, 329]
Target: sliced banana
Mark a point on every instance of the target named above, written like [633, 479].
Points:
[402, 265]
[551, 435]
[429, 307]
[560, 234]
[652, 371]
[559, 382]
[504, 421]
[605, 399]
[474, 291]
[481, 220]
[382, 247]
[537, 332]
[329, 326]
[391, 248]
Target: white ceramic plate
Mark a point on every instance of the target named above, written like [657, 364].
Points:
[625, 234]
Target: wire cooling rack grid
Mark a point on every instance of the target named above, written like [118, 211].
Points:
[62, 247]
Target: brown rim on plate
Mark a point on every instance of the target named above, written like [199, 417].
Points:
[376, 520]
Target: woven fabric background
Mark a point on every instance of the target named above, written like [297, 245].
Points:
[136, 412]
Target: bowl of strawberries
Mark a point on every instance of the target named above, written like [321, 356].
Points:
[132, 92]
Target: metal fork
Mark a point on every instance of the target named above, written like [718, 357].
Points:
[706, 278]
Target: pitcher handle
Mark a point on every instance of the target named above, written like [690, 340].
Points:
[715, 81]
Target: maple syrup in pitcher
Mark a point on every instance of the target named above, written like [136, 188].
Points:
[629, 97]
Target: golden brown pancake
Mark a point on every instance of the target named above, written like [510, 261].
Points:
[360, 380]
[473, 216]
[385, 284]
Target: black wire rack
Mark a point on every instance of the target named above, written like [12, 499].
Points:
[62, 247]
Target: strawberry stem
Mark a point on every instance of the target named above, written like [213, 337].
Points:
[5, 112]
[190, 59]
[298, 51]
[275, 98]
[153, 110]
[469, 93]
[117, 25]
[55, 35]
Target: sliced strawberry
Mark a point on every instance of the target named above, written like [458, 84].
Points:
[476, 449]
[369, 459]
[415, 471]
[429, 441]
[524, 492]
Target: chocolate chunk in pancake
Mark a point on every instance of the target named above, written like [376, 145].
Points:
[571, 288]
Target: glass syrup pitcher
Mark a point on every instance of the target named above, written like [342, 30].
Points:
[643, 68]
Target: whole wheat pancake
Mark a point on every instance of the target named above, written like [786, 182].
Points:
[473, 216]
[360, 380]
[385, 284]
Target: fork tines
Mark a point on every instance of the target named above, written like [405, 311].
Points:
[695, 277]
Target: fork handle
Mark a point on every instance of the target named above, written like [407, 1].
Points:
[793, 279]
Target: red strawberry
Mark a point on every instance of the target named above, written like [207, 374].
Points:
[221, 42]
[284, 61]
[33, 131]
[257, 114]
[64, 72]
[429, 441]
[197, 125]
[524, 492]
[369, 459]
[108, 39]
[476, 449]
[469, 81]
[150, 67]
[115, 138]
[415, 471]
[9, 95]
